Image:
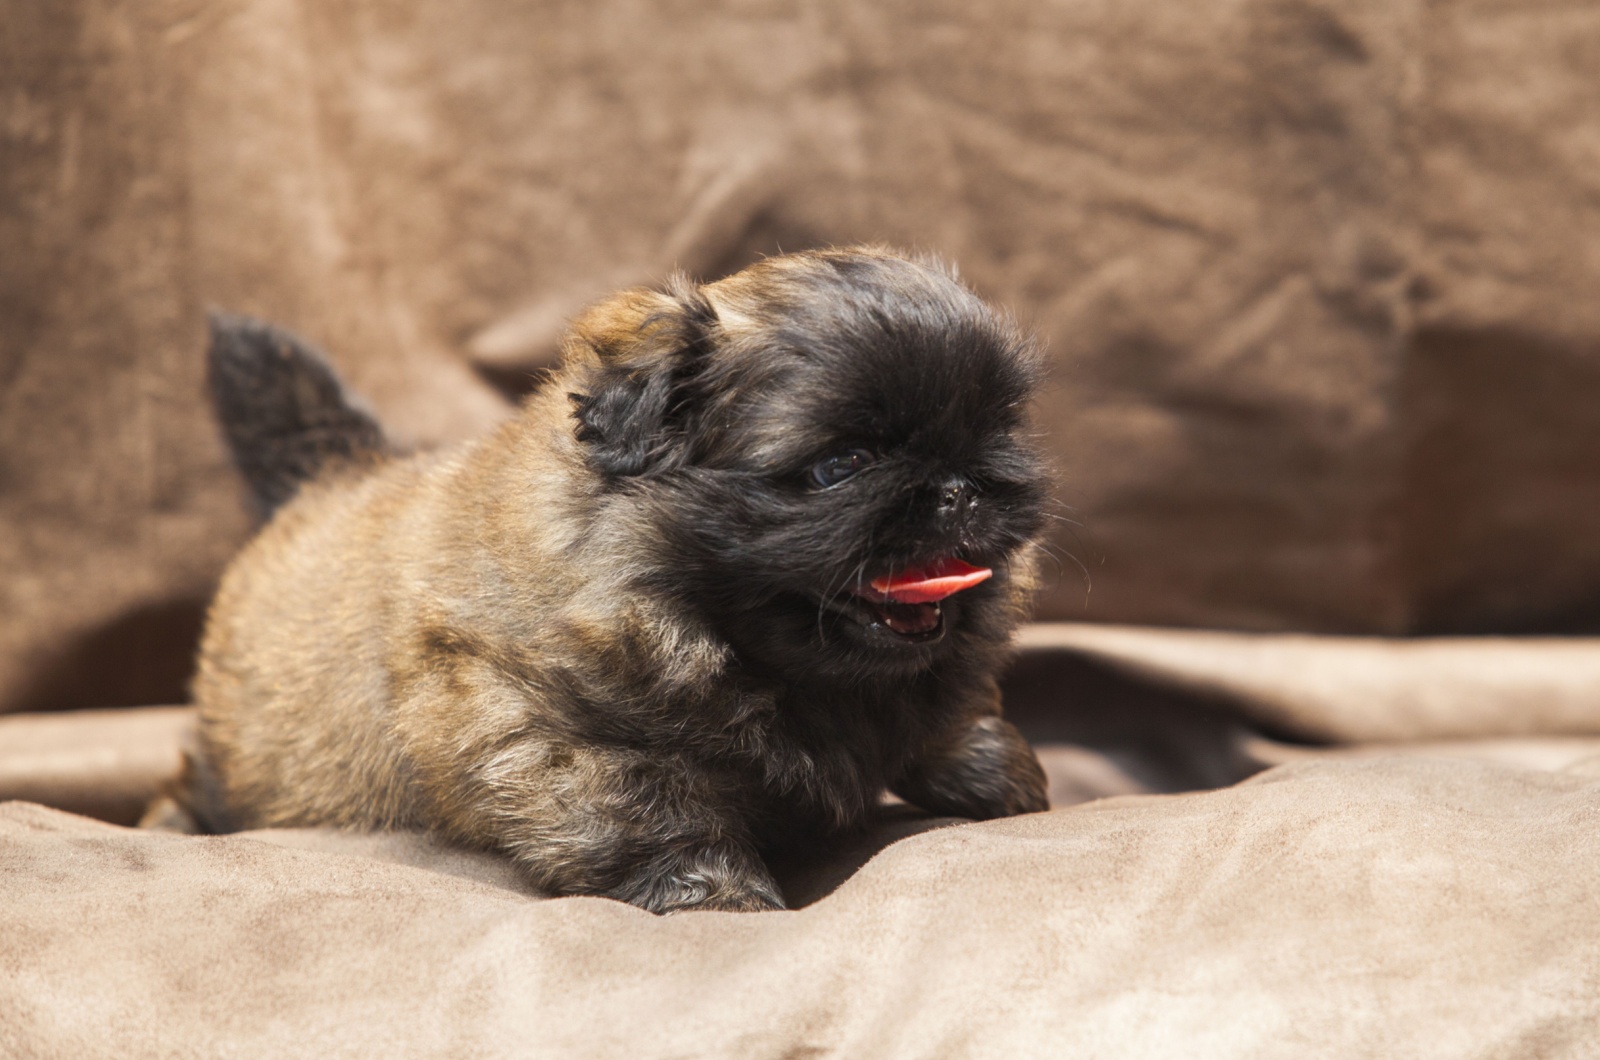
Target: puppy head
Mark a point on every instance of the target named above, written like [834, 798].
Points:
[818, 450]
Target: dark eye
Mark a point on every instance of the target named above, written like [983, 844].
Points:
[826, 474]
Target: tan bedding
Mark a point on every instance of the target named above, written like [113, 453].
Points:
[1421, 887]
[1387, 908]
[1318, 284]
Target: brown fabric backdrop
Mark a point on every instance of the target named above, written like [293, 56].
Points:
[1318, 278]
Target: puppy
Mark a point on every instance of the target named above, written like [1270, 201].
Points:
[753, 555]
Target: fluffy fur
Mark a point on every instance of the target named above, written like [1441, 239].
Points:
[620, 639]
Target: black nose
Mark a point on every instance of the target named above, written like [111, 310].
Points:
[955, 494]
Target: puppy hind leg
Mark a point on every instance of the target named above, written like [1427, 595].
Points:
[985, 770]
[190, 802]
[166, 814]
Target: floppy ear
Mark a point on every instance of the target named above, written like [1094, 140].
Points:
[640, 351]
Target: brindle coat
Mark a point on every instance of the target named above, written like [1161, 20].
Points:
[615, 638]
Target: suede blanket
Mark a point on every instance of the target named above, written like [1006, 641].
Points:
[1317, 279]
[1387, 908]
[1406, 880]
[1317, 276]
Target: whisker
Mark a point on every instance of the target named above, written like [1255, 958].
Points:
[1052, 551]
[1064, 520]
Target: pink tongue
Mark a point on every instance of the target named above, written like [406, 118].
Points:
[924, 585]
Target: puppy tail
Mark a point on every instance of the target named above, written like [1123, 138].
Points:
[285, 414]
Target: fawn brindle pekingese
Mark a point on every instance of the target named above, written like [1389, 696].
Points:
[752, 556]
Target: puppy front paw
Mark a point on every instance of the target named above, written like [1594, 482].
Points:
[987, 771]
[716, 876]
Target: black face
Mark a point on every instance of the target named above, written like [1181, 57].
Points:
[864, 423]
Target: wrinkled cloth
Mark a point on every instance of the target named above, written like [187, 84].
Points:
[1317, 285]
[1263, 845]
[1331, 689]
[1316, 278]
[1393, 907]
[1112, 710]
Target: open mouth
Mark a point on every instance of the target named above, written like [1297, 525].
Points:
[906, 602]
[913, 621]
